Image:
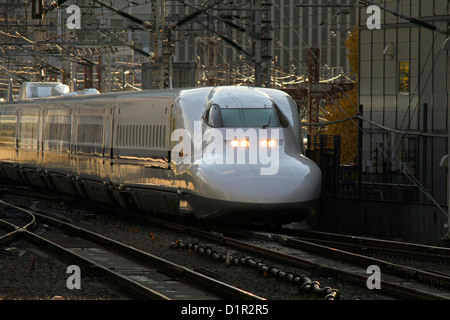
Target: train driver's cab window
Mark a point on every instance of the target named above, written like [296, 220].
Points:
[219, 117]
[213, 116]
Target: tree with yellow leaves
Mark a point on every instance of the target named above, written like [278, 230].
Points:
[345, 106]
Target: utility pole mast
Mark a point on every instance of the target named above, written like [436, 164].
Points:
[261, 41]
[257, 47]
[163, 66]
[313, 79]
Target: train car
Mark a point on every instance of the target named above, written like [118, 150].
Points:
[215, 152]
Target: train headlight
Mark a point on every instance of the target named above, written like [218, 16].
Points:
[245, 143]
[240, 143]
[268, 143]
[235, 143]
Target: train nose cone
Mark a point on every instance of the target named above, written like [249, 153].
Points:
[298, 179]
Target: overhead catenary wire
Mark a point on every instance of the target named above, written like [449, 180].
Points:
[352, 118]
[74, 53]
[418, 22]
[373, 123]
[425, 85]
[78, 53]
[394, 158]
[125, 15]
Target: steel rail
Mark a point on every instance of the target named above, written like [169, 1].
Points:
[365, 244]
[30, 225]
[184, 274]
[340, 274]
[23, 233]
[8, 238]
[329, 243]
[360, 280]
[386, 267]
[92, 267]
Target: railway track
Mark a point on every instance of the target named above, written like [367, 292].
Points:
[144, 275]
[401, 281]
[334, 257]
[367, 246]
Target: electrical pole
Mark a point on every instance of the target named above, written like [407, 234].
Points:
[313, 78]
[256, 12]
[162, 47]
[261, 40]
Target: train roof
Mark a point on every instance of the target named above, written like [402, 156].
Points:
[238, 96]
[91, 95]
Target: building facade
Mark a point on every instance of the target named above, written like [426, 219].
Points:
[403, 89]
[403, 100]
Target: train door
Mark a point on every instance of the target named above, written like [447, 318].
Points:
[38, 134]
[73, 140]
[8, 142]
[112, 133]
[42, 115]
[108, 133]
[169, 135]
[27, 143]
[16, 144]
[57, 133]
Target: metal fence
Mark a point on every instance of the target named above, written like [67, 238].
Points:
[325, 150]
[372, 213]
[382, 219]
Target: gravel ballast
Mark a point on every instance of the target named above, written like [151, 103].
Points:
[48, 279]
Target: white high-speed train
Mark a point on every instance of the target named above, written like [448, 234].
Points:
[213, 152]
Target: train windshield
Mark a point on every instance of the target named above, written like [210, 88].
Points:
[245, 117]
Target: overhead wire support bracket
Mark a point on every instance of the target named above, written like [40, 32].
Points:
[196, 13]
[204, 10]
[123, 41]
[127, 16]
[57, 3]
[200, 11]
